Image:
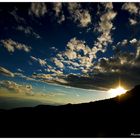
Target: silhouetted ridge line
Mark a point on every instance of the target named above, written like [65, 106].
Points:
[116, 117]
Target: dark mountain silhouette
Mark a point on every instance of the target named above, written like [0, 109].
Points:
[116, 117]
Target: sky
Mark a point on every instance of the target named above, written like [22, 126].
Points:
[58, 53]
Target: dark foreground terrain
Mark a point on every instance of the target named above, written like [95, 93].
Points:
[116, 117]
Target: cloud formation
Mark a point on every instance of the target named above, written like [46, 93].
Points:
[38, 9]
[28, 30]
[17, 18]
[105, 27]
[40, 61]
[57, 7]
[58, 63]
[11, 45]
[18, 88]
[132, 21]
[76, 56]
[79, 15]
[131, 7]
[6, 72]
[134, 10]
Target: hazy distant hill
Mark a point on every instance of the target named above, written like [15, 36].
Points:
[116, 117]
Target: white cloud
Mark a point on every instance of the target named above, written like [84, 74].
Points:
[38, 9]
[132, 21]
[106, 24]
[11, 45]
[57, 7]
[77, 45]
[134, 10]
[58, 63]
[6, 72]
[72, 57]
[131, 7]
[28, 30]
[134, 40]
[105, 27]
[84, 18]
[79, 15]
[40, 61]
[71, 54]
[108, 5]
[103, 40]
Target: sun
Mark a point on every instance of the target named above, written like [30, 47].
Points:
[117, 91]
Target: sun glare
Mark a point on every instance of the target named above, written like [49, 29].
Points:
[117, 91]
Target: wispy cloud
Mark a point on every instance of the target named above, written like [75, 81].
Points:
[28, 30]
[18, 18]
[6, 72]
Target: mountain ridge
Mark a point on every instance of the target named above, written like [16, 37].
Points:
[116, 117]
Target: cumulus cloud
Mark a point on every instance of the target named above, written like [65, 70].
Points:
[78, 45]
[6, 72]
[105, 27]
[57, 7]
[28, 30]
[76, 56]
[132, 8]
[18, 88]
[11, 45]
[79, 15]
[58, 63]
[70, 54]
[74, 47]
[38, 9]
[40, 61]
[106, 18]
[122, 63]
[106, 71]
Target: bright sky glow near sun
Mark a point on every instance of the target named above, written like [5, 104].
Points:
[59, 53]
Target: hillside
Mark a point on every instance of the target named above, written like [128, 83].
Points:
[116, 117]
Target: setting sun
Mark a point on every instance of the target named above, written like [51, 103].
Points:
[117, 91]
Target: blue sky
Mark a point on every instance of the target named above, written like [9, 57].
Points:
[79, 45]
